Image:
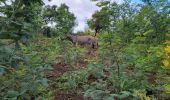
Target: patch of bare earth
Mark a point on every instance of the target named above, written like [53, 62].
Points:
[59, 69]
[67, 96]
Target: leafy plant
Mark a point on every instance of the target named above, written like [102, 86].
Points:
[73, 55]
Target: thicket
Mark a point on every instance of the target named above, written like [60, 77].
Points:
[132, 62]
[25, 55]
[133, 55]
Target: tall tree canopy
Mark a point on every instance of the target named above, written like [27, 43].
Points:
[18, 18]
[128, 19]
[65, 21]
[61, 17]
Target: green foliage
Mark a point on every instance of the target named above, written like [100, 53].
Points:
[73, 55]
[153, 25]
[18, 19]
[100, 18]
[24, 83]
[128, 64]
[73, 81]
[63, 19]
[20, 79]
[38, 54]
[9, 59]
[103, 3]
[140, 56]
[49, 13]
[27, 80]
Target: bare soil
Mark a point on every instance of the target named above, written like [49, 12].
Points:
[59, 95]
[59, 69]
[90, 54]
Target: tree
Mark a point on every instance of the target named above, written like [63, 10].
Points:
[61, 17]
[19, 18]
[65, 21]
[114, 18]
[49, 13]
[100, 20]
[153, 19]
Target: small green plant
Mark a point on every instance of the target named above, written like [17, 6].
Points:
[22, 71]
[73, 55]
[73, 80]
[24, 83]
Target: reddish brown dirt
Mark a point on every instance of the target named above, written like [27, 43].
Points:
[59, 69]
[81, 64]
[67, 96]
[151, 78]
[91, 52]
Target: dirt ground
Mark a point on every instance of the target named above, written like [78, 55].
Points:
[59, 69]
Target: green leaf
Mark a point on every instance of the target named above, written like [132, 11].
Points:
[5, 35]
[108, 98]
[44, 81]
[13, 94]
[124, 94]
[104, 3]
[2, 70]
[94, 0]
[23, 91]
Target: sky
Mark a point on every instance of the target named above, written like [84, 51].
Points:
[82, 9]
